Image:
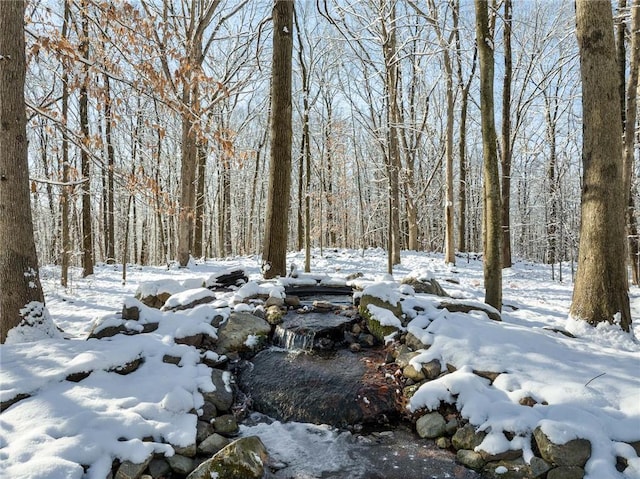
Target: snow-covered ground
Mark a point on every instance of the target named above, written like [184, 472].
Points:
[590, 384]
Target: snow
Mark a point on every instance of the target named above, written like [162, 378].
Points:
[584, 387]
[384, 316]
[188, 296]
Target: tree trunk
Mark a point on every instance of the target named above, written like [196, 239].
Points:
[449, 250]
[274, 255]
[600, 289]
[198, 235]
[491, 188]
[87, 230]
[18, 259]
[629, 132]
[110, 226]
[506, 139]
[65, 199]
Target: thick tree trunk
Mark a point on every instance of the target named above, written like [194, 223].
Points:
[274, 255]
[449, 250]
[198, 235]
[18, 260]
[87, 229]
[600, 290]
[110, 225]
[491, 188]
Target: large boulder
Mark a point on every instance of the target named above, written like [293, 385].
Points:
[459, 306]
[244, 458]
[234, 333]
[188, 299]
[575, 452]
[425, 285]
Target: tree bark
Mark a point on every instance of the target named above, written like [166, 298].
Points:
[506, 138]
[630, 119]
[87, 229]
[600, 289]
[18, 259]
[274, 255]
[491, 188]
[198, 235]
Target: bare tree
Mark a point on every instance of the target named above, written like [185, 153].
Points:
[600, 290]
[491, 187]
[274, 256]
[21, 297]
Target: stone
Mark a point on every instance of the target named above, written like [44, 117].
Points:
[225, 424]
[425, 286]
[233, 334]
[432, 369]
[431, 425]
[274, 315]
[188, 299]
[468, 306]
[180, 464]
[159, 468]
[404, 356]
[11, 401]
[527, 401]
[187, 451]
[355, 347]
[194, 340]
[490, 375]
[470, 459]
[573, 453]
[209, 412]
[514, 469]
[452, 426]
[227, 280]
[539, 467]
[155, 293]
[130, 470]
[245, 458]
[508, 455]
[106, 332]
[212, 444]
[377, 329]
[292, 301]
[566, 472]
[366, 340]
[274, 301]
[167, 358]
[443, 442]
[413, 342]
[204, 429]
[467, 437]
[222, 396]
[131, 312]
[412, 373]
[636, 446]
[127, 368]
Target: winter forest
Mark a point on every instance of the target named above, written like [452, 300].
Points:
[215, 170]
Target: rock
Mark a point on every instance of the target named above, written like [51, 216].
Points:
[244, 458]
[130, 470]
[323, 306]
[77, 377]
[274, 301]
[292, 301]
[222, 396]
[180, 464]
[212, 444]
[425, 286]
[470, 459]
[413, 342]
[412, 373]
[209, 412]
[508, 455]
[452, 426]
[11, 401]
[431, 425]
[204, 429]
[274, 315]
[490, 375]
[188, 299]
[127, 368]
[443, 442]
[227, 280]
[225, 424]
[167, 358]
[515, 469]
[155, 293]
[539, 467]
[468, 306]
[159, 468]
[355, 347]
[233, 334]
[131, 312]
[527, 401]
[378, 329]
[366, 340]
[574, 453]
[194, 340]
[404, 356]
[636, 446]
[566, 472]
[467, 437]
[97, 332]
[188, 451]
[432, 369]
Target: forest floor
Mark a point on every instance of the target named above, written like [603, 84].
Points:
[590, 383]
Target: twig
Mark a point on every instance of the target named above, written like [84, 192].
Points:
[592, 379]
